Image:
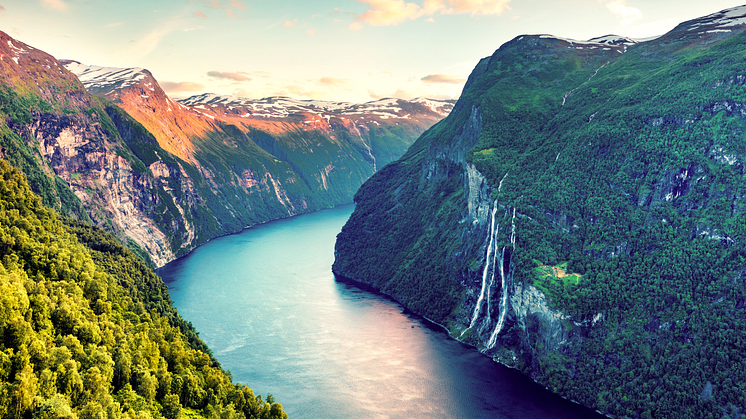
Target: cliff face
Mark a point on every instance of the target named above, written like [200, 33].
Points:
[166, 177]
[579, 216]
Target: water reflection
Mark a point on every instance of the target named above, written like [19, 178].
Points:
[268, 305]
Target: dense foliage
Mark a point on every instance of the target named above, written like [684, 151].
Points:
[87, 331]
[629, 168]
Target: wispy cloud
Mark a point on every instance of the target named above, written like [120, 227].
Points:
[55, 4]
[301, 92]
[311, 32]
[184, 86]
[114, 24]
[398, 94]
[331, 81]
[290, 25]
[237, 4]
[394, 12]
[474, 7]
[239, 76]
[443, 79]
[389, 12]
[230, 7]
[627, 13]
[200, 14]
[149, 42]
[212, 4]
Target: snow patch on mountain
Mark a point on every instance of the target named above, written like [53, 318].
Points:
[282, 107]
[93, 76]
[727, 18]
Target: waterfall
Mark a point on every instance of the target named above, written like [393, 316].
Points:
[503, 289]
[486, 271]
[500, 186]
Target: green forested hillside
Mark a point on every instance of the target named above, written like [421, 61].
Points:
[87, 331]
[627, 167]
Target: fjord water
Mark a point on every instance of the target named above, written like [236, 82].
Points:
[266, 302]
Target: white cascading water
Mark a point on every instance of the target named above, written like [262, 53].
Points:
[504, 290]
[486, 271]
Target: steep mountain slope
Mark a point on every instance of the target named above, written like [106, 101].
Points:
[89, 331]
[162, 176]
[138, 93]
[579, 216]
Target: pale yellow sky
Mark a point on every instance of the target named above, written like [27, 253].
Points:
[342, 50]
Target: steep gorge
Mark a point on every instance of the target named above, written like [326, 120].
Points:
[166, 177]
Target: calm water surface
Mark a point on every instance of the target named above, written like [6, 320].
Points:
[266, 302]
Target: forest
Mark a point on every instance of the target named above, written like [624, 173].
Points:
[88, 331]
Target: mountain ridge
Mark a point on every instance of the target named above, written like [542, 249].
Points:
[578, 216]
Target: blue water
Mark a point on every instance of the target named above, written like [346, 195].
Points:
[266, 302]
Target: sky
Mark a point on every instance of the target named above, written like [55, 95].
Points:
[337, 50]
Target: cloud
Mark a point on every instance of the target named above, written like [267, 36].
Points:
[389, 12]
[290, 25]
[394, 12]
[55, 4]
[240, 76]
[331, 81]
[300, 92]
[184, 86]
[355, 26]
[398, 94]
[443, 79]
[229, 7]
[200, 14]
[311, 32]
[149, 42]
[111, 25]
[243, 93]
[474, 7]
[212, 4]
[628, 14]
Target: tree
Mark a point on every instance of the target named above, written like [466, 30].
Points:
[171, 407]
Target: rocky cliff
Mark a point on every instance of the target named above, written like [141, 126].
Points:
[578, 216]
[166, 177]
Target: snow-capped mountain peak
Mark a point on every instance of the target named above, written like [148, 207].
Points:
[720, 21]
[282, 107]
[95, 77]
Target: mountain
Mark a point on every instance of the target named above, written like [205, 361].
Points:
[381, 130]
[579, 216]
[139, 94]
[166, 177]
